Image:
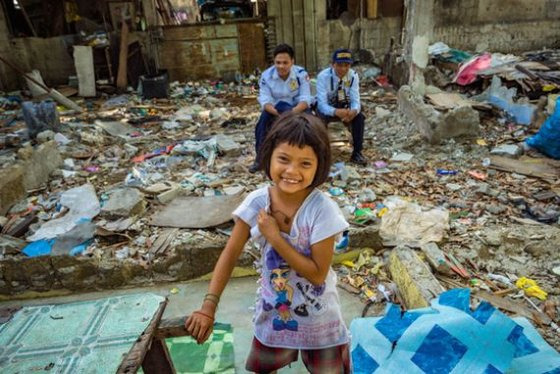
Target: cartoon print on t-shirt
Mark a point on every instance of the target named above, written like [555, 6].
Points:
[279, 274]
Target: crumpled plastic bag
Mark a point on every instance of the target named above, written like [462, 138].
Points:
[405, 223]
[82, 203]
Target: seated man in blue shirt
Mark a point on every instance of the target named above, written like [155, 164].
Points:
[338, 99]
[282, 87]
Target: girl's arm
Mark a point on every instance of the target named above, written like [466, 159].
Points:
[314, 268]
[199, 324]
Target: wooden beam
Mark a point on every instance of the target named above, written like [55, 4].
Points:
[171, 328]
[287, 23]
[310, 44]
[512, 306]
[134, 358]
[298, 31]
[122, 81]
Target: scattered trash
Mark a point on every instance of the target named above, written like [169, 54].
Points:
[407, 223]
[531, 288]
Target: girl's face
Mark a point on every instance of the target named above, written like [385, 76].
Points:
[293, 169]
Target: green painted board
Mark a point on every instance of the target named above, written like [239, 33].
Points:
[83, 337]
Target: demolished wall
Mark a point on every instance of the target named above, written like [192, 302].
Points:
[495, 25]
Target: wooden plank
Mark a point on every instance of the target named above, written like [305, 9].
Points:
[298, 31]
[252, 53]
[162, 242]
[310, 40]
[534, 167]
[371, 9]
[171, 328]
[274, 12]
[514, 307]
[287, 23]
[187, 60]
[134, 358]
[122, 81]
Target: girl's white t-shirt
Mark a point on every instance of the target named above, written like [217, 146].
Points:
[290, 311]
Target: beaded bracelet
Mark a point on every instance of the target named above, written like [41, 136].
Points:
[212, 297]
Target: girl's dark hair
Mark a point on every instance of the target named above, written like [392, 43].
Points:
[283, 48]
[299, 129]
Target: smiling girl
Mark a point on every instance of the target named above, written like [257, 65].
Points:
[295, 226]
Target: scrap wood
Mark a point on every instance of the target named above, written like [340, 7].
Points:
[448, 100]
[348, 287]
[18, 229]
[162, 242]
[535, 167]
[133, 360]
[6, 314]
[512, 306]
[171, 328]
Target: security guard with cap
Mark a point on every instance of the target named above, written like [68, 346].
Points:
[338, 99]
[283, 87]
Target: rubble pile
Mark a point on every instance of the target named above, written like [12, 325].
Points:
[454, 199]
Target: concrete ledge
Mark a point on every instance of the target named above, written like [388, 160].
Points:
[413, 277]
[184, 262]
[46, 273]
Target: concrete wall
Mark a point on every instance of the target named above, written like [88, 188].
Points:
[376, 36]
[504, 26]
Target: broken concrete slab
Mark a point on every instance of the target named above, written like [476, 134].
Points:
[508, 150]
[124, 202]
[227, 145]
[117, 128]
[167, 196]
[367, 237]
[197, 212]
[33, 169]
[436, 258]
[416, 283]
[433, 125]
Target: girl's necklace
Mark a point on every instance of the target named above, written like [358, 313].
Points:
[287, 219]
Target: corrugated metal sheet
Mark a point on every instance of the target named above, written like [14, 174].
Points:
[209, 51]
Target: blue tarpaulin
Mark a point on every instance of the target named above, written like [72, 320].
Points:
[450, 338]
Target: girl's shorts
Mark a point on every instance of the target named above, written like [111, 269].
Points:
[264, 359]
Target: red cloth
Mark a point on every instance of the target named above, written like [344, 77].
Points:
[468, 72]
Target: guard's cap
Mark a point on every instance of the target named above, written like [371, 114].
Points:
[342, 55]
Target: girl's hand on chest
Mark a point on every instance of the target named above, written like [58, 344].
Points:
[268, 226]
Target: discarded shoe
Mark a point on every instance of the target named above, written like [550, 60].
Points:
[254, 168]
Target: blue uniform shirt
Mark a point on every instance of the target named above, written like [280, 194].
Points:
[293, 90]
[327, 84]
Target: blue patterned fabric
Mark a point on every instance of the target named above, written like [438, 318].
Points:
[450, 338]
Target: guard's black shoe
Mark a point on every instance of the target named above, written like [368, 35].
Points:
[358, 158]
[254, 168]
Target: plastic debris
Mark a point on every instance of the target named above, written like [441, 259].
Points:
[531, 288]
